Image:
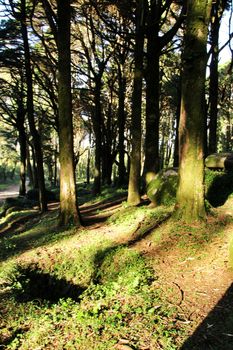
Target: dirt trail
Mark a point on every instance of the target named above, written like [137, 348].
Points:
[11, 191]
[200, 285]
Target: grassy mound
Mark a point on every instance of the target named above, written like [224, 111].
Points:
[99, 288]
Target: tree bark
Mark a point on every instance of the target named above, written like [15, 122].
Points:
[23, 149]
[121, 125]
[190, 195]
[151, 165]
[68, 201]
[135, 158]
[213, 87]
[97, 123]
[30, 111]
[176, 145]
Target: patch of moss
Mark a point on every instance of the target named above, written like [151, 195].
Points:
[162, 189]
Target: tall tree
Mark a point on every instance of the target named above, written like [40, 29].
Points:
[68, 200]
[19, 11]
[156, 23]
[217, 10]
[136, 124]
[190, 196]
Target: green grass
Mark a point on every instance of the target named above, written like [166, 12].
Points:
[123, 304]
[90, 288]
[118, 298]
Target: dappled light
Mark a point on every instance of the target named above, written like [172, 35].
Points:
[216, 330]
[116, 176]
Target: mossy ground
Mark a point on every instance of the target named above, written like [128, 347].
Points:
[138, 279]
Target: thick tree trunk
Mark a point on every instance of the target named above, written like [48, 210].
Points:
[68, 201]
[107, 163]
[151, 165]
[135, 158]
[190, 196]
[30, 111]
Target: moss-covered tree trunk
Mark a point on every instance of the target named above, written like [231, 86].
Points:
[190, 196]
[68, 201]
[135, 157]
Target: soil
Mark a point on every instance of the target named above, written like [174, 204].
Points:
[11, 191]
[200, 286]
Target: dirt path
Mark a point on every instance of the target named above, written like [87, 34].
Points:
[200, 285]
[11, 191]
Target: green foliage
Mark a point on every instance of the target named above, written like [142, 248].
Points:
[119, 296]
[123, 304]
[218, 187]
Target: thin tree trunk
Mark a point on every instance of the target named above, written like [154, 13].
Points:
[121, 126]
[68, 201]
[55, 167]
[213, 88]
[22, 141]
[176, 145]
[30, 111]
[29, 168]
[97, 122]
[23, 157]
[190, 196]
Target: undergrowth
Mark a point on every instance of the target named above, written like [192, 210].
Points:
[120, 301]
[90, 288]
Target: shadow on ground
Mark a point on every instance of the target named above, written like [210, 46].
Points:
[216, 331]
[220, 189]
[36, 284]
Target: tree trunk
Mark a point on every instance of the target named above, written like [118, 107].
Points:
[121, 126]
[20, 119]
[151, 165]
[213, 88]
[30, 111]
[29, 168]
[23, 152]
[88, 160]
[68, 201]
[135, 158]
[176, 146]
[97, 123]
[190, 196]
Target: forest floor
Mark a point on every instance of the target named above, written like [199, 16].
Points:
[131, 278]
[10, 191]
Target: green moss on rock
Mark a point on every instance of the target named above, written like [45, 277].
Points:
[162, 189]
